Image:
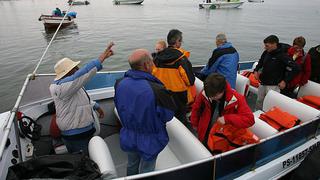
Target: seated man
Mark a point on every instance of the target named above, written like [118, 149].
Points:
[224, 60]
[57, 12]
[218, 102]
[144, 107]
[74, 113]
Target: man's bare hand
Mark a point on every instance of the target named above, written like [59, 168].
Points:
[107, 52]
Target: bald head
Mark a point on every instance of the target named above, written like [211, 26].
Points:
[140, 59]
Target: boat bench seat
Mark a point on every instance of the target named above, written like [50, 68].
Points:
[100, 154]
[242, 84]
[311, 89]
[273, 98]
[183, 147]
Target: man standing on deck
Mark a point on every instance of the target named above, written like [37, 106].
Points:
[274, 69]
[144, 107]
[74, 111]
[224, 60]
[174, 70]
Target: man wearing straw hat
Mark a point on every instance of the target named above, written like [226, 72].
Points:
[74, 111]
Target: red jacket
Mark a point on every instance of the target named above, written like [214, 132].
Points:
[236, 112]
[301, 78]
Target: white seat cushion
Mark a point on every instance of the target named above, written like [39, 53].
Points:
[241, 84]
[199, 85]
[262, 129]
[253, 89]
[311, 89]
[166, 159]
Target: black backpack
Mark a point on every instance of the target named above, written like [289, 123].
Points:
[64, 166]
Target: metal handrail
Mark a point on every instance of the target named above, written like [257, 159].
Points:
[9, 122]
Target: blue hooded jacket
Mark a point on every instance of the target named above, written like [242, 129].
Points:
[224, 60]
[144, 107]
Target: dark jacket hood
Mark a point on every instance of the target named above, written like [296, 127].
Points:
[168, 55]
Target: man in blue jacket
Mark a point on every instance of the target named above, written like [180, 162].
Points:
[224, 60]
[144, 107]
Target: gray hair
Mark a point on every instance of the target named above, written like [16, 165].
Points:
[221, 37]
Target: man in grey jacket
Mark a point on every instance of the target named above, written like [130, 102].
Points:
[74, 109]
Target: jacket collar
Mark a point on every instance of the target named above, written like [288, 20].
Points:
[135, 74]
[225, 45]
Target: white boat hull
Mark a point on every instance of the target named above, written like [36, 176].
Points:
[118, 2]
[255, 0]
[220, 5]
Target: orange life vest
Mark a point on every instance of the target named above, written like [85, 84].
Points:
[279, 119]
[253, 81]
[226, 137]
[192, 91]
[313, 101]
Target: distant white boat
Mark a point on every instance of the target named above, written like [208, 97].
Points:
[255, 0]
[78, 2]
[118, 2]
[220, 4]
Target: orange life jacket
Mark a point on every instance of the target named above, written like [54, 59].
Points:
[226, 137]
[279, 119]
[253, 81]
[192, 91]
[313, 101]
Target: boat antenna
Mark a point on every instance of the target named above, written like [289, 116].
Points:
[54, 35]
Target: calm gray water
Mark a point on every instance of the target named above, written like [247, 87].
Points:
[23, 39]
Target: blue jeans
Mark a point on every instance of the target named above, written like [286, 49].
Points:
[77, 143]
[137, 165]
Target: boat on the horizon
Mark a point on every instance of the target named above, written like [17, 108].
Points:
[118, 2]
[220, 4]
[78, 2]
[185, 157]
[256, 1]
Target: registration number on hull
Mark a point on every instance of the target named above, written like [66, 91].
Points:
[299, 156]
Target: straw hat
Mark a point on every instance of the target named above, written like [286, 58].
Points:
[64, 66]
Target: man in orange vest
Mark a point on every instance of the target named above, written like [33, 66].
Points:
[174, 70]
[226, 111]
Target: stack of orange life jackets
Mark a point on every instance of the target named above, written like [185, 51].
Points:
[313, 101]
[223, 138]
[279, 119]
[253, 81]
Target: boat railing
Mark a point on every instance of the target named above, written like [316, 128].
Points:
[9, 121]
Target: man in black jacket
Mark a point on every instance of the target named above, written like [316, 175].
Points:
[315, 64]
[274, 69]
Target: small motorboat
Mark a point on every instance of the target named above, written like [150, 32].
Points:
[220, 4]
[78, 2]
[118, 2]
[258, 1]
[50, 21]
